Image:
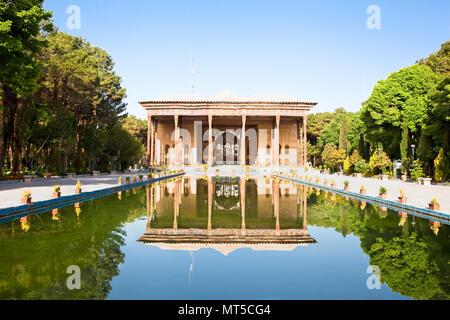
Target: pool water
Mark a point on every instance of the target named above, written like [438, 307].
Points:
[225, 238]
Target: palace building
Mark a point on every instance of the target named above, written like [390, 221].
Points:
[191, 130]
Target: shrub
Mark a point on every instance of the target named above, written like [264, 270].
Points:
[417, 170]
[441, 167]
[347, 166]
[434, 201]
[361, 166]
[383, 190]
[379, 162]
[346, 183]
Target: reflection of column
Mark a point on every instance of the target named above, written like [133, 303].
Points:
[148, 209]
[210, 201]
[305, 204]
[242, 192]
[244, 118]
[176, 204]
[210, 142]
[276, 203]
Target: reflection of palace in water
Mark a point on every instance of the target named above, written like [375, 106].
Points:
[191, 214]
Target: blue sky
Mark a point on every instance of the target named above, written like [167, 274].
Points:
[315, 50]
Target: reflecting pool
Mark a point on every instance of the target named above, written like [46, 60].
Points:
[225, 238]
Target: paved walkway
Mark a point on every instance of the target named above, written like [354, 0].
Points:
[417, 195]
[42, 189]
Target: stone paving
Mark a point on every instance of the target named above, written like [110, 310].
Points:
[42, 189]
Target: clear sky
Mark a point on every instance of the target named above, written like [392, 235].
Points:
[318, 51]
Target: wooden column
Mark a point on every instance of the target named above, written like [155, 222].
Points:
[177, 138]
[149, 138]
[210, 142]
[244, 118]
[276, 147]
[299, 144]
[152, 143]
[242, 191]
[305, 151]
[155, 157]
[302, 162]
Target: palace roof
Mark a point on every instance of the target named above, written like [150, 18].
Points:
[227, 97]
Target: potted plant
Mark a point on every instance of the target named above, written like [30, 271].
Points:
[404, 175]
[56, 192]
[134, 179]
[333, 184]
[434, 205]
[346, 187]
[140, 177]
[383, 192]
[26, 198]
[362, 190]
[127, 179]
[78, 187]
[402, 198]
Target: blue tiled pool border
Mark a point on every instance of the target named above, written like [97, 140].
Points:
[393, 205]
[13, 213]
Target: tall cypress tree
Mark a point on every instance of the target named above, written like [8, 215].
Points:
[404, 145]
[343, 135]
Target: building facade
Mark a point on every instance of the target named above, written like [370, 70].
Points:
[194, 131]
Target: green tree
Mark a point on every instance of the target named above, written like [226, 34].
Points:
[398, 99]
[441, 167]
[404, 145]
[439, 61]
[21, 23]
[136, 127]
[343, 135]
